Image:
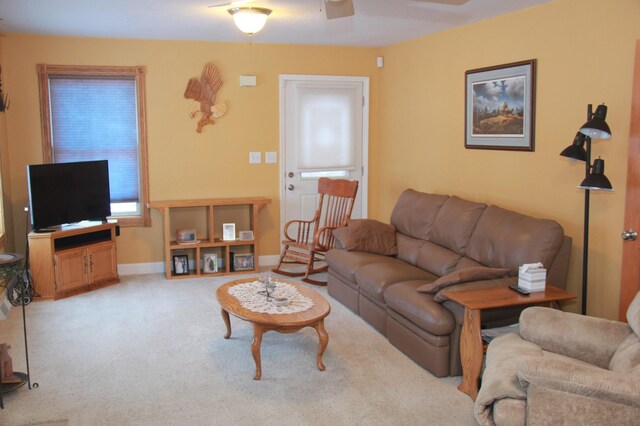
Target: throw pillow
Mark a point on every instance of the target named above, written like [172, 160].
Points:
[462, 276]
[372, 236]
[342, 236]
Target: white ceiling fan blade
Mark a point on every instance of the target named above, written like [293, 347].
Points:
[230, 3]
[338, 8]
[451, 2]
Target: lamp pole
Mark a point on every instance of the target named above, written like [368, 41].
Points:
[585, 234]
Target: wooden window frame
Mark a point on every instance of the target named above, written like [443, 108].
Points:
[44, 71]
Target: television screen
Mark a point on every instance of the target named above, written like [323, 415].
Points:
[62, 193]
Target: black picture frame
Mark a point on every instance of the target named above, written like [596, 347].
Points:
[500, 107]
[180, 264]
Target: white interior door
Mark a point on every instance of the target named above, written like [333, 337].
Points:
[324, 133]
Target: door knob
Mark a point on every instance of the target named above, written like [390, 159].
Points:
[629, 235]
[290, 187]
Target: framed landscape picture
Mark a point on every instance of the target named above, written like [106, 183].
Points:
[500, 107]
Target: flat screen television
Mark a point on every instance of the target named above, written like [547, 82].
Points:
[63, 193]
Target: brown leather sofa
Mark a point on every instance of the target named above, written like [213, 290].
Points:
[435, 236]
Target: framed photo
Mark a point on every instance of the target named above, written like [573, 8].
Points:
[243, 262]
[500, 107]
[180, 264]
[228, 232]
[210, 263]
[245, 235]
[186, 236]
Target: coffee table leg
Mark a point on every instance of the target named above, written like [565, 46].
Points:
[471, 352]
[258, 331]
[227, 322]
[322, 345]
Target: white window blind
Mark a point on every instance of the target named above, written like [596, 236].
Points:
[326, 135]
[95, 118]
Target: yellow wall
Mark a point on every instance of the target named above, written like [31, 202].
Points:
[182, 163]
[6, 234]
[585, 52]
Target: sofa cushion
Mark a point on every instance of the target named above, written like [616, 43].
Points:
[374, 278]
[627, 356]
[418, 308]
[506, 239]
[415, 212]
[341, 236]
[346, 263]
[371, 236]
[443, 295]
[436, 259]
[455, 222]
[463, 276]
[408, 248]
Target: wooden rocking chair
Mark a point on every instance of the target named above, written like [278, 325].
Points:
[313, 238]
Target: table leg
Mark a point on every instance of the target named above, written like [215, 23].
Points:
[227, 322]
[322, 345]
[258, 331]
[471, 352]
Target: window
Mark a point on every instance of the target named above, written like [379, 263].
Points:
[98, 113]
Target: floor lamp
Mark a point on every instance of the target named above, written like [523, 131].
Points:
[595, 128]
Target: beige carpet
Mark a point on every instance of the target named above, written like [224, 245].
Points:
[151, 352]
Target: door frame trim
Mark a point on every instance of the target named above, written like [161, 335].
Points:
[364, 186]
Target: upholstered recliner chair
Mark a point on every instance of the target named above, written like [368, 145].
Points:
[563, 368]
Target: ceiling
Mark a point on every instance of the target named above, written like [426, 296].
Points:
[376, 22]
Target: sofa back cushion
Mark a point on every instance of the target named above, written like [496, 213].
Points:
[506, 239]
[437, 259]
[415, 213]
[455, 222]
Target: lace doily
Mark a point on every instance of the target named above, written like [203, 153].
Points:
[248, 296]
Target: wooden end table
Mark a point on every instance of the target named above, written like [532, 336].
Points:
[474, 301]
[282, 323]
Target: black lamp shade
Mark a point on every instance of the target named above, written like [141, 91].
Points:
[597, 127]
[576, 150]
[596, 180]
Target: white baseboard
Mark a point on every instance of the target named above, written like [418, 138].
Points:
[158, 267]
[141, 268]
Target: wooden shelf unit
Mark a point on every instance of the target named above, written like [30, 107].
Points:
[73, 259]
[208, 231]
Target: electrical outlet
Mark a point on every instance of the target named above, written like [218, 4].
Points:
[255, 157]
[270, 157]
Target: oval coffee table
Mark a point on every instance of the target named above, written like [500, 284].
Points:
[282, 323]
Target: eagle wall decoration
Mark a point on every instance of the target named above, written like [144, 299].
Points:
[204, 91]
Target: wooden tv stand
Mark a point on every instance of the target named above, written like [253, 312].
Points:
[73, 259]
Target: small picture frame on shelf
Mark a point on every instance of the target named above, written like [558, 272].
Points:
[210, 263]
[180, 264]
[228, 232]
[243, 262]
[186, 236]
[245, 235]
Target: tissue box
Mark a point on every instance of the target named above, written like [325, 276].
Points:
[533, 279]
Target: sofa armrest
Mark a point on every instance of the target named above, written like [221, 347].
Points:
[579, 379]
[589, 339]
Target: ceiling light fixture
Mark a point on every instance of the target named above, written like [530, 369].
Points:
[249, 20]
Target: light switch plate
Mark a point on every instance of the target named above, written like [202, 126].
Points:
[255, 157]
[270, 157]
